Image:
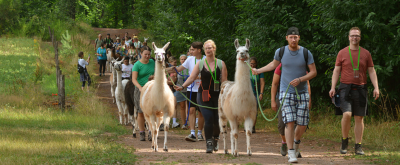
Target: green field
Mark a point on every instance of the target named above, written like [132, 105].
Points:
[36, 133]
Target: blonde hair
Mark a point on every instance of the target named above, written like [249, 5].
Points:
[210, 42]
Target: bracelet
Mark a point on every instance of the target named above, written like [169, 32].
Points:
[299, 80]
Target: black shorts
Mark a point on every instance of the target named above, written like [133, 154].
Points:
[193, 99]
[353, 105]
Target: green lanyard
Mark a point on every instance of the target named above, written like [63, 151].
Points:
[186, 71]
[358, 65]
[215, 70]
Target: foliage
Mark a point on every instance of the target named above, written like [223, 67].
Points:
[323, 24]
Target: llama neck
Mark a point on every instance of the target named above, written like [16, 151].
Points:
[242, 75]
[119, 81]
[114, 72]
[159, 77]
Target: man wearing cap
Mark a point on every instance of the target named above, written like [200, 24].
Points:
[117, 45]
[352, 63]
[109, 42]
[295, 106]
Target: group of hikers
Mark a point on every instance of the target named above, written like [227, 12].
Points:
[293, 67]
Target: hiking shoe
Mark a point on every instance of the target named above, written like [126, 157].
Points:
[200, 137]
[175, 125]
[296, 148]
[184, 127]
[284, 149]
[215, 144]
[142, 136]
[162, 127]
[292, 156]
[190, 137]
[359, 150]
[210, 146]
[149, 136]
[345, 143]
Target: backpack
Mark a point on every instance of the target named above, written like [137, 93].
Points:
[80, 69]
[305, 53]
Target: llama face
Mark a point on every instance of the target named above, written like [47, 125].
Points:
[118, 66]
[145, 39]
[242, 51]
[160, 52]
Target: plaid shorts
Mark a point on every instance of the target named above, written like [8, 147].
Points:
[295, 110]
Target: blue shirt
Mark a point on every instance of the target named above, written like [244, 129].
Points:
[293, 66]
[103, 53]
[253, 78]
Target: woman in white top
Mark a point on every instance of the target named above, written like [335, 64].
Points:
[126, 69]
[84, 76]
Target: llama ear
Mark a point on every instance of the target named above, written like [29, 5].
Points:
[166, 46]
[236, 43]
[247, 44]
[154, 46]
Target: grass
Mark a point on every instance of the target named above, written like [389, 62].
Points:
[381, 141]
[35, 136]
[33, 132]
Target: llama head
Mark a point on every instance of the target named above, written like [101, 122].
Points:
[118, 65]
[145, 39]
[159, 52]
[242, 51]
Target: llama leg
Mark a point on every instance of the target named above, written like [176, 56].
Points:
[222, 125]
[248, 124]
[234, 136]
[155, 122]
[119, 112]
[149, 118]
[166, 128]
[126, 114]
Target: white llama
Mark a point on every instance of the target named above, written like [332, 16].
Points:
[237, 102]
[109, 58]
[157, 100]
[120, 96]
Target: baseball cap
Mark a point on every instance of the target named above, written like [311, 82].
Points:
[292, 31]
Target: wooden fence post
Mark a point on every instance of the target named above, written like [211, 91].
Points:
[60, 78]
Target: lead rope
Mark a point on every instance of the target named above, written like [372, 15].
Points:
[280, 106]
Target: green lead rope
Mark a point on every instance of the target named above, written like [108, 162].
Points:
[258, 100]
[280, 106]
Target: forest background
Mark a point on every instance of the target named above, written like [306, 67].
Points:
[323, 24]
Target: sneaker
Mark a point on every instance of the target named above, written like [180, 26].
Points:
[292, 156]
[142, 136]
[200, 137]
[210, 146]
[345, 143]
[296, 148]
[162, 127]
[359, 150]
[215, 142]
[190, 137]
[284, 149]
[149, 136]
[175, 125]
[184, 127]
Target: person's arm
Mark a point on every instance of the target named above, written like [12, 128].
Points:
[310, 75]
[335, 78]
[88, 60]
[262, 84]
[374, 80]
[271, 66]
[224, 73]
[172, 70]
[134, 80]
[191, 78]
[309, 94]
[274, 89]
[173, 77]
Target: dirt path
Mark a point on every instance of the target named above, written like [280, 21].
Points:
[265, 145]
